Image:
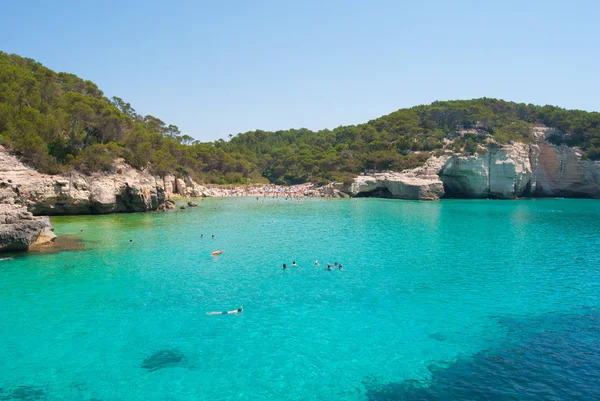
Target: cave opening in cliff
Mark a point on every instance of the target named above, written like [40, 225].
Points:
[377, 193]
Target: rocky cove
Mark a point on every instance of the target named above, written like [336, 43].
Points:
[511, 171]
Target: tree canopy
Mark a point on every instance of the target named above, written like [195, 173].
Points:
[59, 121]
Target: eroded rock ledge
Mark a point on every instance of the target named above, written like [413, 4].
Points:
[125, 190]
[19, 229]
[507, 172]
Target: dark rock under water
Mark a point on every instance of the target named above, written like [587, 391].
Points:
[553, 357]
[164, 359]
[23, 393]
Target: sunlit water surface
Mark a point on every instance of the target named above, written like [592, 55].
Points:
[437, 300]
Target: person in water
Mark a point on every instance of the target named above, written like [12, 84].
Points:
[317, 263]
[228, 312]
[201, 235]
[294, 264]
[284, 266]
[340, 266]
[335, 264]
[328, 266]
[213, 237]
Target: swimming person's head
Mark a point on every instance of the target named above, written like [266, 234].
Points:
[240, 309]
[335, 264]
[284, 266]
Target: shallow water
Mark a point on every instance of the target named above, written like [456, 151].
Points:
[432, 299]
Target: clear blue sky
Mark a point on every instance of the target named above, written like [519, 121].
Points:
[220, 67]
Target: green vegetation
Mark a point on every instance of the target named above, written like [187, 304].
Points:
[58, 121]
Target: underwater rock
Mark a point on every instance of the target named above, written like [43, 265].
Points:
[23, 393]
[164, 359]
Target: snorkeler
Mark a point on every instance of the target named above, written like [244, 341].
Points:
[227, 312]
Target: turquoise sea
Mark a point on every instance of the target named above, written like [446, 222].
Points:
[457, 299]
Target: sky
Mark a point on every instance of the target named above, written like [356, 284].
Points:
[215, 68]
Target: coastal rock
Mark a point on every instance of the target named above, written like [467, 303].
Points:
[192, 204]
[420, 183]
[169, 185]
[500, 173]
[516, 170]
[560, 171]
[128, 190]
[180, 186]
[19, 229]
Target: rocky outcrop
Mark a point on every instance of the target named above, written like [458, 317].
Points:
[503, 172]
[500, 173]
[522, 170]
[560, 171]
[124, 190]
[419, 183]
[19, 229]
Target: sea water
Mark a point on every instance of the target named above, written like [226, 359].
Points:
[457, 299]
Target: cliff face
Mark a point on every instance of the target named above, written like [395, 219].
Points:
[507, 172]
[538, 170]
[501, 173]
[126, 190]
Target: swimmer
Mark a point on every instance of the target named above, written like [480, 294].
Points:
[317, 263]
[228, 312]
[130, 240]
[8, 258]
[213, 237]
[340, 266]
[201, 235]
[335, 264]
[294, 264]
[284, 266]
[328, 266]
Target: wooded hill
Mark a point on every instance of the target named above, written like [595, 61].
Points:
[58, 121]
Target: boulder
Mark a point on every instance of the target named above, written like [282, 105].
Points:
[192, 204]
[19, 229]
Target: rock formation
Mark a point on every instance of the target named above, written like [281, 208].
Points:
[419, 183]
[19, 229]
[125, 190]
[504, 172]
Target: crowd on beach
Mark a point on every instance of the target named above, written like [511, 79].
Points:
[267, 190]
